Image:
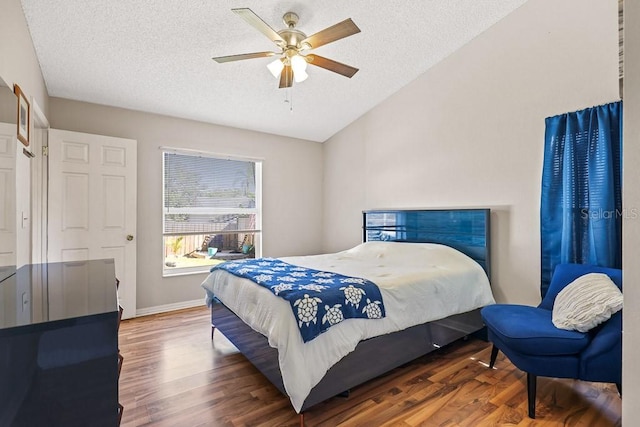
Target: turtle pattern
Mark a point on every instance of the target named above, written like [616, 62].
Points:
[307, 309]
[352, 295]
[244, 270]
[318, 299]
[263, 277]
[356, 280]
[372, 309]
[333, 315]
[281, 287]
[323, 274]
[317, 288]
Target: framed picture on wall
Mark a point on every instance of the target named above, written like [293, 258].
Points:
[24, 112]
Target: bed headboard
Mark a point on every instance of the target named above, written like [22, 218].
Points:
[467, 230]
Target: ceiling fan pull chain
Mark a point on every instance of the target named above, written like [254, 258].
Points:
[288, 98]
[290, 90]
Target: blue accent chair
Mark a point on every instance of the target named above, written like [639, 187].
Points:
[527, 336]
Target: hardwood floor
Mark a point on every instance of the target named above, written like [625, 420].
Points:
[174, 375]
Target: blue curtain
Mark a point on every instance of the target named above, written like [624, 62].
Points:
[581, 206]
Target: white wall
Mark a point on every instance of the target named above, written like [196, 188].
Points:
[18, 61]
[470, 132]
[292, 185]
[631, 204]
[19, 65]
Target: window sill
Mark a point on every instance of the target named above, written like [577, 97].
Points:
[184, 272]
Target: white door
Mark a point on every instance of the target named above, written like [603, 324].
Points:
[8, 143]
[92, 204]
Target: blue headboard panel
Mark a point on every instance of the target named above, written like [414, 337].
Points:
[467, 230]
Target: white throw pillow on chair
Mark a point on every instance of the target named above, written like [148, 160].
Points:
[586, 302]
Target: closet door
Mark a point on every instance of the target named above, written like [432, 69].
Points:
[92, 204]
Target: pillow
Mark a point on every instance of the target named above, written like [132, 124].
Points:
[586, 302]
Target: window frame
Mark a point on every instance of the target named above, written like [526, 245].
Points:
[256, 210]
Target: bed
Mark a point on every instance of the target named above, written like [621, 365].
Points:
[433, 270]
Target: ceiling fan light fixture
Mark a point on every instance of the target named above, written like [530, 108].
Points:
[299, 67]
[276, 67]
[298, 63]
[300, 76]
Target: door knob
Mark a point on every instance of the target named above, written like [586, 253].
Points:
[129, 237]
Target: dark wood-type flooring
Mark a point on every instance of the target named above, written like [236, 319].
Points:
[174, 375]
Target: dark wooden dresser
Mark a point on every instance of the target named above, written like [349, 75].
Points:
[59, 345]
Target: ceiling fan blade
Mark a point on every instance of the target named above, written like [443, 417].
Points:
[229, 58]
[331, 65]
[286, 77]
[339, 31]
[257, 22]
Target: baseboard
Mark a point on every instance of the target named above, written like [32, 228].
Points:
[169, 307]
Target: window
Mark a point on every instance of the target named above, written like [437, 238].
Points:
[211, 211]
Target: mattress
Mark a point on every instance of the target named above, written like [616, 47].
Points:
[419, 282]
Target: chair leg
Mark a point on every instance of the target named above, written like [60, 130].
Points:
[213, 329]
[494, 355]
[531, 394]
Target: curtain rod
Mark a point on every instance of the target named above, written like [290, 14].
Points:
[583, 109]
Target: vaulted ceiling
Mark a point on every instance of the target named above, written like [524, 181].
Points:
[155, 56]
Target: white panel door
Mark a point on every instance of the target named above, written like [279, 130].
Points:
[8, 144]
[92, 204]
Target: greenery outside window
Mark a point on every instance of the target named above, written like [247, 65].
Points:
[211, 211]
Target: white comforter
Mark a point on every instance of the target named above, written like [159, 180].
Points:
[420, 282]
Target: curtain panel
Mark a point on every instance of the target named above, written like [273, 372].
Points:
[581, 206]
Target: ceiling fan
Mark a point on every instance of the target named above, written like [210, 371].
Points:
[291, 63]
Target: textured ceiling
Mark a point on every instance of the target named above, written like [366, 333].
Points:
[155, 56]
